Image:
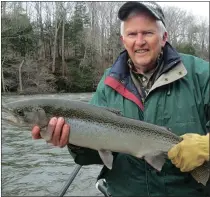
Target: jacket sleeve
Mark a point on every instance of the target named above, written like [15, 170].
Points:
[206, 97]
[86, 156]
[204, 80]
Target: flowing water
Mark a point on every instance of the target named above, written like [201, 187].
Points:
[35, 168]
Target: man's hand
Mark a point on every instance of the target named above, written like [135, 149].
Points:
[191, 152]
[59, 129]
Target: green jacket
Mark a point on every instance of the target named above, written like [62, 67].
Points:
[179, 99]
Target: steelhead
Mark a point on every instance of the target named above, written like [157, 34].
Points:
[103, 129]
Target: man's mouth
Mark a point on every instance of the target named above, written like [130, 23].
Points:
[141, 50]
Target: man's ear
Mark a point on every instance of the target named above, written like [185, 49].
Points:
[165, 38]
[122, 40]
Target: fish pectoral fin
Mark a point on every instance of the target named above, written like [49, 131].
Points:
[45, 134]
[106, 157]
[156, 160]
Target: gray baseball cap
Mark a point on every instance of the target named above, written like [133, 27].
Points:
[152, 7]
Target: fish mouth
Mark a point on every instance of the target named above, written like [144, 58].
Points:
[13, 120]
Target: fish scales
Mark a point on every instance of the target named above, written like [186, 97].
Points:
[112, 120]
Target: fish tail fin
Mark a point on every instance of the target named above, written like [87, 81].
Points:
[201, 174]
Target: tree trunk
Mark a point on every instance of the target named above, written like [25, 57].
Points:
[20, 77]
[42, 30]
[55, 39]
[92, 30]
[39, 20]
[3, 8]
[27, 9]
[62, 48]
[2, 77]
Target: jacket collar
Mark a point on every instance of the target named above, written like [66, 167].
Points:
[177, 72]
[170, 57]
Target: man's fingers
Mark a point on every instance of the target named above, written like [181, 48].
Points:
[36, 133]
[51, 127]
[173, 152]
[187, 168]
[58, 131]
[189, 136]
[64, 140]
[178, 162]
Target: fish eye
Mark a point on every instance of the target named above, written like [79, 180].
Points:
[20, 112]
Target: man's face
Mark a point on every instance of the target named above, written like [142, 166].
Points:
[142, 40]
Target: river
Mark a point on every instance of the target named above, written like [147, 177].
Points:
[35, 168]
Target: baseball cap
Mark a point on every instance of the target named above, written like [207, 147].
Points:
[152, 7]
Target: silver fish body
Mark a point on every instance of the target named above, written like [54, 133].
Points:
[102, 129]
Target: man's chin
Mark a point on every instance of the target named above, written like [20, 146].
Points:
[143, 67]
[142, 64]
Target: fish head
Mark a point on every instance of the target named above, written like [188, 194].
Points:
[26, 117]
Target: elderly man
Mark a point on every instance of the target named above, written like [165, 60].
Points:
[151, 81]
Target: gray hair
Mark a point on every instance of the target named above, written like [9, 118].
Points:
[160, 25]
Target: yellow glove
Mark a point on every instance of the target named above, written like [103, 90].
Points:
[191, 152]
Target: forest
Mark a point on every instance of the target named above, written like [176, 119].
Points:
[59, 47]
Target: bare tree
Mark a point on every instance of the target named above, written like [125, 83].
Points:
[175, 23]
[203, 39]
[38, 7]
[2, 76]
[3, 8]
[57, 26]
[63, 43]
[20, 77]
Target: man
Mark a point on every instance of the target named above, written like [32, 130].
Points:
[150, 81]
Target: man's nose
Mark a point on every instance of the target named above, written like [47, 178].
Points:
[140, 40]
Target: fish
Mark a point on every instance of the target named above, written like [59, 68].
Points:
[100, 128]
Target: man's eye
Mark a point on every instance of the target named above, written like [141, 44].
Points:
[132, 34]
[148, 33]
